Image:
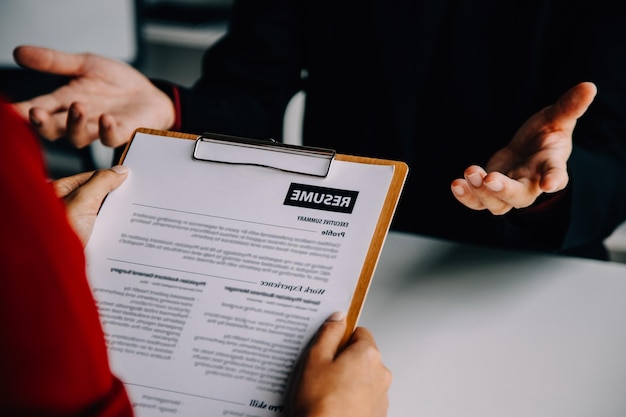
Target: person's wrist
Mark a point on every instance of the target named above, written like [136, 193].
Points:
[172, 120]
[547, 204]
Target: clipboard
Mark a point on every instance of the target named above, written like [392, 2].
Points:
[244, 247]
[299, 159]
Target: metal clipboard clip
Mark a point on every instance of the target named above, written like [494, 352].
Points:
[271, 154]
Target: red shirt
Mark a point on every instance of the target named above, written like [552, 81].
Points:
[53, 358]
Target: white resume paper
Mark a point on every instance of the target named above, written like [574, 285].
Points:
[211, 278]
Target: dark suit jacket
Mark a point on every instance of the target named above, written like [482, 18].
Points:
[441, 85]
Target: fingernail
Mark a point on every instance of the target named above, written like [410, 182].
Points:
[458, 190]
[120, 169]
[337, 316]
[494, 186]
[475, 179]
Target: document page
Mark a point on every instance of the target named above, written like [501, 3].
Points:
[211, 278]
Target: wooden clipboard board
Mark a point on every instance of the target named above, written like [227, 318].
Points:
[328, 155]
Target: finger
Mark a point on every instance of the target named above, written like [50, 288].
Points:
[65, 186]
[72, 124]
[571, 106]
[463, 193]
[49, 60]
[328, 338]
[83, 204]
[519, 193]
[463, 189]
[560, 117]
[363, 343]
[480, 191]
[486, 199]
[575, 102]
[361, 334]
[493, 191]
[554, 179]
[98, 185]
[47, 125]
[77, 126]
[109, 132]
[500, 193]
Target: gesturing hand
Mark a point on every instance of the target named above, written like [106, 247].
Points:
[104, 99]
[534, 162]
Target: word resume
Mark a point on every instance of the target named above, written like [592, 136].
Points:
[211, 278]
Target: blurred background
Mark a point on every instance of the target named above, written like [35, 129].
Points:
[162, 38]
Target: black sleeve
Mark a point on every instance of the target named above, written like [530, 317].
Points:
[597, 166]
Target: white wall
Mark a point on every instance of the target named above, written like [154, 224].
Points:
[106, 27]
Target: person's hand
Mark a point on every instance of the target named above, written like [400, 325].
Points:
[348, 382]
[534, 162]
[104, 99]
[83, 195]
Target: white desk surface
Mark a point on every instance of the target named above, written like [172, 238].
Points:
[473, 332]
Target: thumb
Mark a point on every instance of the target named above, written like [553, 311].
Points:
[82, 204]
[328, 339]
[48, 60]
[575, 101]
[98, 185]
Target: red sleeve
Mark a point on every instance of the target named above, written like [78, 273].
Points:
[173, 93]
[53, 358]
